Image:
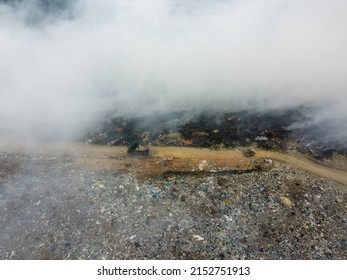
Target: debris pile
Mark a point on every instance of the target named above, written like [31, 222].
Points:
[54, 209]
[274, 130]
[178, 202]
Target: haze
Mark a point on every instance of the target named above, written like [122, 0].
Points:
[67, 67]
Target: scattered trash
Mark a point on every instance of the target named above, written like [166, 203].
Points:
[166, 211]
[269, 130]
[146, 151]
[134, 146]
[228, 202]
[286, 201]
[135, 149]
[198, 237]
[261, 138]
[202, 165]
[248, 152]
[132, 237]
[168, 159]
[187, 142]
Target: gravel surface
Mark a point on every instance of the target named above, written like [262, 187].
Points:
[52, 209]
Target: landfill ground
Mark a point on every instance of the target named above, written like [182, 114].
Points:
[81, 201]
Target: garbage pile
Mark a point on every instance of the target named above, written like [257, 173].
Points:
[275, 130]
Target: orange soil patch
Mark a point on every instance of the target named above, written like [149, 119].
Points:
[166, 159]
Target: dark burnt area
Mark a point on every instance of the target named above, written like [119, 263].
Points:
[239, 129]
[272, 130]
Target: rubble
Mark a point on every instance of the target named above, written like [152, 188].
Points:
[58, 209]
[274, 130]
[127, 202]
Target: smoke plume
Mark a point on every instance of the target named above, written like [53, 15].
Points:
[66, 65]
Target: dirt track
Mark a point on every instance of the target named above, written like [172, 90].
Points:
[173, 159]
[303, 163]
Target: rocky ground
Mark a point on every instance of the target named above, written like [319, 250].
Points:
[53, 208]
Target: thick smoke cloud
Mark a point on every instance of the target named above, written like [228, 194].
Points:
[64, 67]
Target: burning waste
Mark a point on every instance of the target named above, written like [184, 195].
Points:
[271, 131]
[170, 130]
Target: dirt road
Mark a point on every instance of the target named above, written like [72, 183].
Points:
[305, 164]
[172, 159]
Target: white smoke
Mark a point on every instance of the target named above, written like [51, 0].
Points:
[61, 73]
